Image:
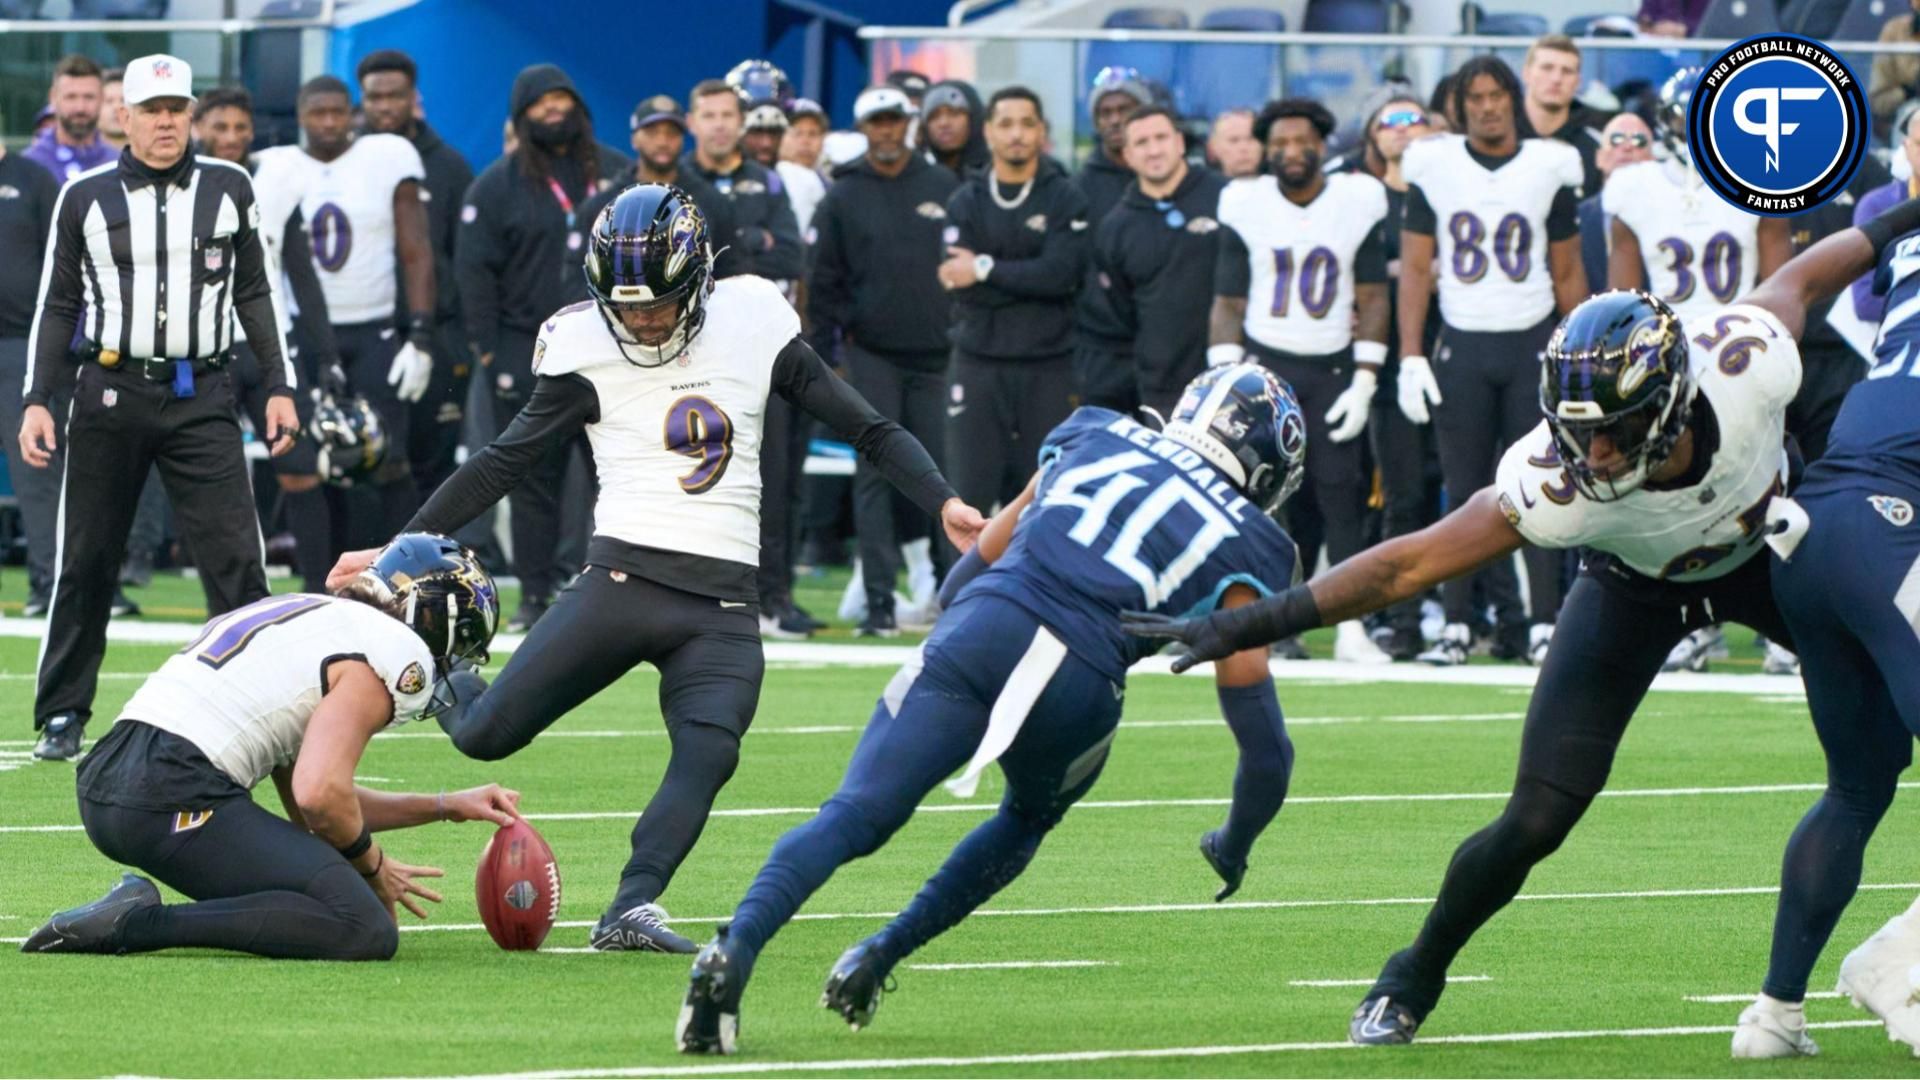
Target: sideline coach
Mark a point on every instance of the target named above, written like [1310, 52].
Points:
[159, 251]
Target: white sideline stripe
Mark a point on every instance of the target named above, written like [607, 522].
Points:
[1741, 999]
[1309, 671]
[1013, 965]
[1329, 983]
[1149, 804]
[824, 1068]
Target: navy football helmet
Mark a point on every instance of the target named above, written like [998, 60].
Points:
[440, 590]
[759, 82]
[1670, 117]
[1618, 365]
[1246, 422]
[650, 250]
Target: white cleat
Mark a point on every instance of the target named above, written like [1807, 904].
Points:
[1780, 660]
[1879, 976]
[1352, 645]
[1770, 1028]
[1539, 639]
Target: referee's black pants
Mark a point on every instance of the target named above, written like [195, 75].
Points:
[121, 423]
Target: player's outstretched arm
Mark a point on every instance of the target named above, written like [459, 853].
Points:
[1831, 265]
[1380, 576]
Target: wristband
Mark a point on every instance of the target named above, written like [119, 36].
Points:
[1902, 219]
[1268, 620]
[982, 266]
[359, 846]
[1224, 353]
[420, 331]
[1373, 353]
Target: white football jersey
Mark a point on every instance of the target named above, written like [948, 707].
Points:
[1748, 368]
[1490, 226]
[805, 189]
[244, 690]
[677, 447]
[1301, 258]
[1700, 251]
[276, 189]
[348, 207]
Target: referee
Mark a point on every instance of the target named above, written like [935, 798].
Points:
[159, 250]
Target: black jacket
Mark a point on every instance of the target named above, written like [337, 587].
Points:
[876, 256]
[1024, 310]
[1582, 132]
[448, 177]
[1103, 181]
[717, 207]
[517, 255]
[766, 235]
[1156, 258]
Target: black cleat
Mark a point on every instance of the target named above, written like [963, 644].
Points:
[710, 1017]
[60, 739]
[641, 928]
[94, 928]
[1230, 873]
[123, 605]
[1382, 1021]
[855, 984]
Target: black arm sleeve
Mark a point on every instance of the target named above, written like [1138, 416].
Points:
[304, 281]
[800, 376]
[1420, 218]
[1563, 218]
[558, 408]
[1232, 274]
[1370, 262]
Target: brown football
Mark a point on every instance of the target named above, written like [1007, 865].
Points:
[517, 886]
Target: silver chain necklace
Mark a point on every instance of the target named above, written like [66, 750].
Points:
[1026, 189]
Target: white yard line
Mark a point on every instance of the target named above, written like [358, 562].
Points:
[1328, 983]
[1012, 965]
[1742, 999]
[824, 1068]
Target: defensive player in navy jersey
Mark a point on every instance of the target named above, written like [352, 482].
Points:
[1850, 591]
[1028, 668]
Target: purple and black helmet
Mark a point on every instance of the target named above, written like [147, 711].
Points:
[651, 247]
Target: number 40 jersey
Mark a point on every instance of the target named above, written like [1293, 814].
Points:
[1126, 519]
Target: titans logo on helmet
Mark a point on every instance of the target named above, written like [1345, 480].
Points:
[1777, 124]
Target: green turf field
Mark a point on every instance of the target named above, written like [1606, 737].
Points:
[1662, 895]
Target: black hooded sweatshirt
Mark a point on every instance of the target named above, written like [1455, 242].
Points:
[1158, 257]
[1024, 310]
[1096, 320]
[876, 257]
[974, 156]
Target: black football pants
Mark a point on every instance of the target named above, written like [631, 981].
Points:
[1334, 481]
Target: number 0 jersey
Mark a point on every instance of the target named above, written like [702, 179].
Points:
[1748, 368]
[1296, 265]
[1125, 519]
[244, 690]
[1700, 251]
[348, 206]
[1492, 220]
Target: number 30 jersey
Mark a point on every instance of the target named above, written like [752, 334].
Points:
[244, 690]
[1700, 251]
[1125, 519]
[1748, 368]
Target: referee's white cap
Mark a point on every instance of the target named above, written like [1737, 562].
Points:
[158, 76]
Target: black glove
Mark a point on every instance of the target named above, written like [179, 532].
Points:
[1228, 631]
[1200, 635]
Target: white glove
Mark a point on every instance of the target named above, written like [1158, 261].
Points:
[1224, 353]
[412, 370]
[1348, 417]
[1416, 388]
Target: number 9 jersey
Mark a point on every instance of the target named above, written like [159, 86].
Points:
[1124, 518]
[1714, 518]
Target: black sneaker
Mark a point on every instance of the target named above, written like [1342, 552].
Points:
[36, 605]
[784, 626]
[1404, 643]
[855, 984]
[528, 613]
[710, 1016]
[94, 928]
[642, 928]
[802, 617]
[60, 739]
[1230, 873]
[137, 571]
[1382, 1021]
[878, 624]
[123, 605]
[1288, 649]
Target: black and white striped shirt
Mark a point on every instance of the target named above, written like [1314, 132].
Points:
[155, 264]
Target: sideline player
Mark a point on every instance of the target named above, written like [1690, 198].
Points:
[1849, 592]
[1028, 667]
[293, 687]
[669, 373]
[1664, 455]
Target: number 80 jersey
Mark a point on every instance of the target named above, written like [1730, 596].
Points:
[1125, 519]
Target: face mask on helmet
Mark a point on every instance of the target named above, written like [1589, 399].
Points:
[649, 269]
[1246, 422]
[1616, 392]
[439, 589]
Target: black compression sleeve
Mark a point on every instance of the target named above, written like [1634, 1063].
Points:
[1563, 217]
[800, 376]
[559, 407]
[1268, 619]
[1902, 219]
[1420, 217]
[1231, 274]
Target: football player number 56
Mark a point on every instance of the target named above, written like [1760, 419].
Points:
[698, 429]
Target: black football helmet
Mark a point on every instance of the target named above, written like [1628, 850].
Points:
[1246, 422]
[760, 82]
[651, 248]
[1670, 116]
[1617, 366]
[351, 442]
[439, 589]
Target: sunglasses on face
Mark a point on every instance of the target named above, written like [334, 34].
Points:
[1636, 139]
[1403, 118]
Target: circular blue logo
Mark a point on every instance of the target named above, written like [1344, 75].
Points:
[1777, 124]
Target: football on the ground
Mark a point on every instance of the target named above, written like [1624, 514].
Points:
[517, 885]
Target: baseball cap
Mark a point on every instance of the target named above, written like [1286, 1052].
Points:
[657, 109]
[157, 76]
[880, 99]
[766, 117]
[807, 107]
